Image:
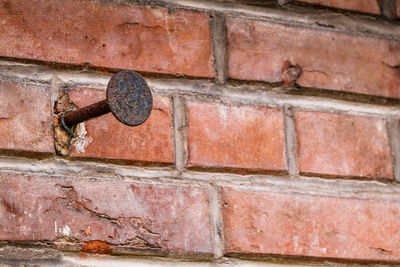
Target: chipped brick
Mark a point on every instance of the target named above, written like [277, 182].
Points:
[122, 214]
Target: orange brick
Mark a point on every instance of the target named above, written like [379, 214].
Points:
[108, 138]
[338, 144]
[236, 136]
[304, 225]
[106, 215]
[25, 117]
[329, 60]
[368, 6]
[111, 35]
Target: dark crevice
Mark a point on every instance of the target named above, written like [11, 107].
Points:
[241, 171]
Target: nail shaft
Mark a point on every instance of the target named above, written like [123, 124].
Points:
[85, 113]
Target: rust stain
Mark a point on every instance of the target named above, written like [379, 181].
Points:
[98, 247]
[290, 73]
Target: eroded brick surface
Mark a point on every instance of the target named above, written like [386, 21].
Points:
[25, 117]
[121, 213]
[338, 144]
[235, 136]
[329, 60]
[107, 34]
[304, 225]
[108, 138]
[368, 6]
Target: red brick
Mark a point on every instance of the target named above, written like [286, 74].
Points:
[108, 138]
[236, 136]
[328, 59]
[305, 225]
[338, 144]
[111, 35]
[25, 117]
[368, 6]
[123, 214]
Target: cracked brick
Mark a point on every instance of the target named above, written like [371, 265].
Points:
[120, 215]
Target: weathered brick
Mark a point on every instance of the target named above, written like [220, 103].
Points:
[106, 137]
[368, 6]
[99, 214]
[329, 60]
[305, 225]
[235, 136]
[107, 34]
[338, 144]
[25, 117]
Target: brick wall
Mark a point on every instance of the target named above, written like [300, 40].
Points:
[274, 138]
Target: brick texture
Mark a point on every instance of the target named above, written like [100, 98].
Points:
[108, 35]
[25, 117]
[338, 144]
[368, 6]
[114, 213]
[304, 225]
[108, 138]
[329, 60]
[235, 136]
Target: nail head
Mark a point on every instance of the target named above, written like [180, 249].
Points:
[129, 98]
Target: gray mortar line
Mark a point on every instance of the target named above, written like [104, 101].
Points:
[394, 140]
[208, 91]
[218, 33]
[179, 120]
[216, 218]
[291, 140]
[318, 19]
[387, 8]
[367, 189]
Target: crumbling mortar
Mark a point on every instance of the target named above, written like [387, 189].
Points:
[9, 77]
[61, 136]
[259, 94]
[335, 186]
[188, 177]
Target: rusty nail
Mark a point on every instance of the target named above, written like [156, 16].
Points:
[128, 99]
